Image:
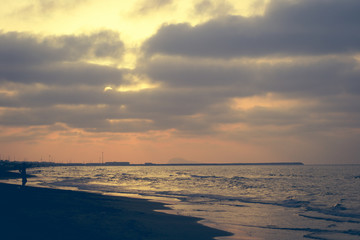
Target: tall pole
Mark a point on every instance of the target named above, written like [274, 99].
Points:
[102, 158]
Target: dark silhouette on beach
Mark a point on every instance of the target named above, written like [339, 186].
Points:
[22, 171]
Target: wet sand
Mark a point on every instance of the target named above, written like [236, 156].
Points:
[41, 213]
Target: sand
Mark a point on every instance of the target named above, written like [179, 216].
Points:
[42, 213]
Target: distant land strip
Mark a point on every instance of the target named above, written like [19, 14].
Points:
[180, 164]
[14, 165]
[221, 164]
[193, 164]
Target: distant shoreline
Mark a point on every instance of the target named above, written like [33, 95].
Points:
[183, 164]
[14, 165]
[223, 164]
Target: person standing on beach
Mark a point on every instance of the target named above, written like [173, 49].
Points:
[22, 171]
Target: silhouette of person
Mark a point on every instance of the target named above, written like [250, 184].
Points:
[22, 171]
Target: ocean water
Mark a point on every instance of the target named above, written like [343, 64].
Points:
[253, 202]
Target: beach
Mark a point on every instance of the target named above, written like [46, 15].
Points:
[43, 213]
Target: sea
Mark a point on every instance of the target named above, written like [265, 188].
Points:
[252, 202]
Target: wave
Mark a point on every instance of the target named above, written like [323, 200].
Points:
[337, 220]
[313, 233]
[87, 183]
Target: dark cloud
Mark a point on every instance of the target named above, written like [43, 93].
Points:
[46, 80]
[186, 72]
[303, 76]
[288, 28]
[36, 96]
[27, 49]
[63, 74]
[102, 44]
[92, 118]
[59, 60]
[310, 77]
[195, 98]
[199, 91]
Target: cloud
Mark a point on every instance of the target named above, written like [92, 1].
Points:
[319, 94]
[64, 74]
[213, 8]
[288, 28]
[147, 6]
[47, 7]
[28, 49]
[60, 60]
[302, 76]
[195, 98]
[48, 79]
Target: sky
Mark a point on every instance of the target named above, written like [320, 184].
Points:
[193, 80]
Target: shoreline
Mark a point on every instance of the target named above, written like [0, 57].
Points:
[46, 213]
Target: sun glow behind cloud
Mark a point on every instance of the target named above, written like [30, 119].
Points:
[269, 101]
[137, 87]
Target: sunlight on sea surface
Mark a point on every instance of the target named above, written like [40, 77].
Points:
[254, 202]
